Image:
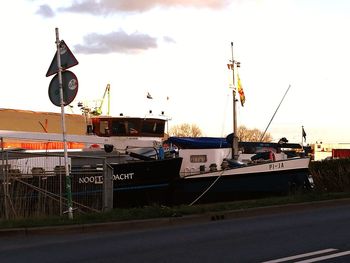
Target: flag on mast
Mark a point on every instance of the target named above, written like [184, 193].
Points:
[304, 133]
[149, 96]
[240, 91]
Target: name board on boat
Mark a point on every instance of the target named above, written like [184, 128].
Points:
[98, 179]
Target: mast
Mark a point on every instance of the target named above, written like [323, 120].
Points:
[235, 137]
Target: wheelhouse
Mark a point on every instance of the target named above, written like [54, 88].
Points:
[127, 126]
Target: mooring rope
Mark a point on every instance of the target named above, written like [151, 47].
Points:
[206, 190]
[210, 186]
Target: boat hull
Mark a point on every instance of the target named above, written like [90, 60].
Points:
[264, 179]
[144, 183]
[135, 183]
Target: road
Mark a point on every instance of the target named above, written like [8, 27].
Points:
[306, 235]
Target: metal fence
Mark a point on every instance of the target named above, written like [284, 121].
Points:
[34, 185]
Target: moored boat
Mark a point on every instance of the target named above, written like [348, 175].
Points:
[217, 169]
[142, 172]
[209, 174]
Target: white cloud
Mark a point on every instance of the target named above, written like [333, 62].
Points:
[45, 11]
[115, 42]
[104, 7]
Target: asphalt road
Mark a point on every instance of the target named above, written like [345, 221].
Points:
[301, 235]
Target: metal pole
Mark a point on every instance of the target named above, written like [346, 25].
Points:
[235, 137]
[60, 174]
[302, 138]
[3, 178]
[68, 179]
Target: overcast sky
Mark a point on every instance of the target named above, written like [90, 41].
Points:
[178, 50]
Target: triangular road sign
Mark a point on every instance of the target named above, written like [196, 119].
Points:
[67, 60]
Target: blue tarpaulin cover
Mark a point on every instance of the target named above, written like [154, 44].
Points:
[199, 142]
[219, 142]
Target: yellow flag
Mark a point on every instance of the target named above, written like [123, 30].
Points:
[240, 91]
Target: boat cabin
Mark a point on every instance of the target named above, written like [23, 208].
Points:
[207, 154]
[128, 126]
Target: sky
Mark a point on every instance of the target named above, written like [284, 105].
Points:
[178, 51]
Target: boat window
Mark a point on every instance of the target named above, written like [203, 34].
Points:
[198, 158]
[132, 127]
[118, 128]
[104, 128]
[153, 127]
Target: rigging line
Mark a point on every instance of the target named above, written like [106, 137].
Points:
[210, 186]
[262, 136]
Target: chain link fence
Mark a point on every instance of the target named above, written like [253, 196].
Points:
[34, 185]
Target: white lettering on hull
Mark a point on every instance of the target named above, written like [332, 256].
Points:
[98, 179]
[276, 166]
[127, 176]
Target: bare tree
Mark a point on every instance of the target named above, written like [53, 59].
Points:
[252, 135]
[244, 134]
[185, 130]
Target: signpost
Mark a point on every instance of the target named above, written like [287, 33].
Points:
[62, 91]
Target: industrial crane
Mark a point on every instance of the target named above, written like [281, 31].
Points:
[98, 110]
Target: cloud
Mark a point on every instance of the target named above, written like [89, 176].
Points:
[104, 7]
[45, 11]
[115, 42]
[168, 39]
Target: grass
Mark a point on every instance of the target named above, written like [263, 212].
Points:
[163, 211]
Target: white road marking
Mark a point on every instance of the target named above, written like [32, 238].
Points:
[340, 254]
[318, 252]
